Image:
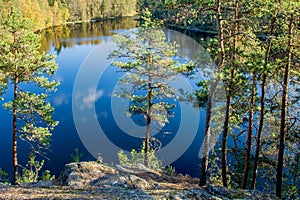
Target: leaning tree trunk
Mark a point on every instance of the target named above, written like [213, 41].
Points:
[205, 149]
[249, 135]
[262, 103]
[284, 104]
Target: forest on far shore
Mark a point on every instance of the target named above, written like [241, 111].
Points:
[47, 13]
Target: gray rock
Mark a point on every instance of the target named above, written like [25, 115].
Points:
[237, 194]
[138, 169]
[3, 185]
[42, 184]
[220, 191]
[191, 195]
[82, 173]
[128, 181]
[255, 194]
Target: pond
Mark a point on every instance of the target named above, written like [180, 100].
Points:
[92, 119]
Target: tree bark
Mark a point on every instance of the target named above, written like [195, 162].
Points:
[148, 117]
[262, 103]
[14, 139]
[148, 122]
[224, 142]
[228, 101]
[249, 135]
[205, 152]
[207, 134]
[14, 128]
[284, 104]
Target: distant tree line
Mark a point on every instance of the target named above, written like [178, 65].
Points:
[46, 13]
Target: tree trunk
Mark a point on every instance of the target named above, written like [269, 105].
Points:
[249, 135]
[148, 117]
[14, 128]
[262, 104]
[228, 101]
[205, 149]
[147, 142]
[14, 138]
[224, 142]
[205, 152]
[284, 104]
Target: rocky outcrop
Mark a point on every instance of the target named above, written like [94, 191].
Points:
[40, 184]
[92, 180]
[81, 174]
[146, 183]
[127, 181]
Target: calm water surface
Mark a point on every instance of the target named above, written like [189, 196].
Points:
[72, 44]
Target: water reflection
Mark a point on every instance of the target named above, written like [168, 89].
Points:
[67, 36]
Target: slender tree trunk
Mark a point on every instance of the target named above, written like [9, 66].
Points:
[205, 152]
[147, 142]
[14, 139]
[148, 117]
[228, 101]
[262, 104]
[205, 149]
[224, 142]
[249, 135]
[148, 122]
[284, 104]
[14, 128]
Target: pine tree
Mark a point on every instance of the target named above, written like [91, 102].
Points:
[24, 64]
[212, 93]
[149, 67]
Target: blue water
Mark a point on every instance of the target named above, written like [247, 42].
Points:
[71, 51]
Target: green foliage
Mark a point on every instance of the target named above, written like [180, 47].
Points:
[23, 65]
[3, 176]
[123, 159]
[291, 192]
[235, 166]
[215, 170]
[181, 13]
[47, 13]
[149, 67]
[171, 170]
[137, 157]
[76, 156]
[147, 20]
[148, 60]
[202, 92]
[99, 159]
[31, 172]
[46, 176]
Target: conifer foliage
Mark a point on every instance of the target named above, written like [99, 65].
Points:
[26, 68]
